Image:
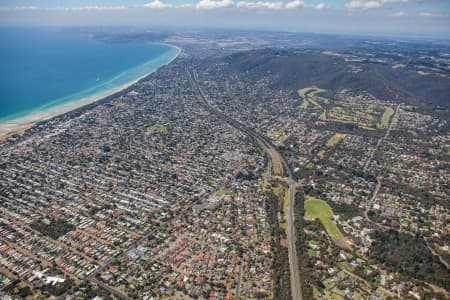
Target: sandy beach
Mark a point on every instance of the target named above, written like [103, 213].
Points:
[20, 124]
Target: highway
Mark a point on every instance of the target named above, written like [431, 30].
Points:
[270, 149]
[238, 286]
[293, 258]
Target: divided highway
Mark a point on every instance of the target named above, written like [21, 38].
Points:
[271, 151]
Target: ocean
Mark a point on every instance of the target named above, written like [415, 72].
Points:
[43, 68]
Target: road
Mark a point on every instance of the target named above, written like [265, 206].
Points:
[238, 286]
[271, 151]
[378, 186]
[380, 140]
[293, 258]
[366, 216]
[373, 198]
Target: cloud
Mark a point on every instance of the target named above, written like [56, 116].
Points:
[89, 8]
[157, 4]
[396, 1]
[261, 4]
[363, 5]
[425, 14]
[357, 4]
[294, 4]
[185, 5]
[270, 5]
[19, 8]
[77, 8]
[399, 14]
[321, 6]
[208, 4]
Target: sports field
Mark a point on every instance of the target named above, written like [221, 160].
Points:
[319, 209]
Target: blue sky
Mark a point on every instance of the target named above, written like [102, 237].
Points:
[411, 6]
[418, 17]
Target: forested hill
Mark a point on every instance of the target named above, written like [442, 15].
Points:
[297, 69]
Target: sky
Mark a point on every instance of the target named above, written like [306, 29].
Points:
[385, 17]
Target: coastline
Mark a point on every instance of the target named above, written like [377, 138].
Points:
[21, 124]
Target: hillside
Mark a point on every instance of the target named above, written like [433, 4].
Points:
[295, 69]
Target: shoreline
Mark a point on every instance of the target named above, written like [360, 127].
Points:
[21, 124]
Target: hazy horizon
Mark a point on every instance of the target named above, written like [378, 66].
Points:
[381, 17]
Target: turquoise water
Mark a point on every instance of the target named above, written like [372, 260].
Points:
[43, 68]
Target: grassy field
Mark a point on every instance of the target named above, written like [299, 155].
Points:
[319, 209]
[303, 92]
[280, 131]
[309, 96]
[384, 123]
[321, 154]
[334, 140]
[323, 116]
[313, 101]
[158, 129]
[305, 104]
[353, 113]
[220, 193]
[315, 91]
[369, 114]
[309, 92]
